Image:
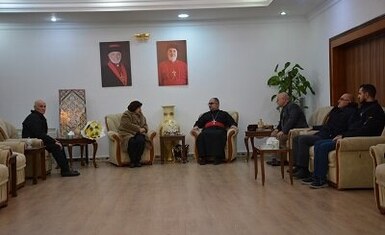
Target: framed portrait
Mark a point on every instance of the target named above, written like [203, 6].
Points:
[172, 62]
[115, 63]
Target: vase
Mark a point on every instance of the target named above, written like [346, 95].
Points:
[169, 126]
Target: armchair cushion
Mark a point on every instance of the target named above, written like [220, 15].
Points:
[117, 152]
[7, 130]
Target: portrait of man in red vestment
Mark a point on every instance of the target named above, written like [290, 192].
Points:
[172, 63]
[115, 64]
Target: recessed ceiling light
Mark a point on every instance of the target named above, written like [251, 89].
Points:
[53, 18]
[183, 15]
[283, 13]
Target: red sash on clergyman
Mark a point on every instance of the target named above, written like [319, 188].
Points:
[214, 123]
[120, 72]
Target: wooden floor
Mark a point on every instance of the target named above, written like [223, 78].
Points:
[186, 199]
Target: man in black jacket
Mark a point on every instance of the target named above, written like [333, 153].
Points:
[337, 122]
[371, 122]
[35, 126]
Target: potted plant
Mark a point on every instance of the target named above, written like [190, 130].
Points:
[291, 81]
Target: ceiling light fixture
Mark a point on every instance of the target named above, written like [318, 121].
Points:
[283, 13]
[183, 15]
[53, 18]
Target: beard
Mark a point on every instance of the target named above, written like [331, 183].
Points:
[172, 58]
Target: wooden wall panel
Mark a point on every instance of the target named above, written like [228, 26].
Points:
[355, 60]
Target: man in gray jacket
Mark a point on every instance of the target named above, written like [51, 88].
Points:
[291, 116]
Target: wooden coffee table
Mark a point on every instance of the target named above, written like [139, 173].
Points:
[282, 151]
[259, 134]
[82, 142]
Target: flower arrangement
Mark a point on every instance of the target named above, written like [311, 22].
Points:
[93, 130]
[170, 127]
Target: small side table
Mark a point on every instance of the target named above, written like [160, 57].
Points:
[281, 151]
[34, 153]
[164, 139]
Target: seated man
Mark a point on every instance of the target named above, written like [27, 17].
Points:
[336, 123]
[35, 126]
[291, 116]
[371, 122]
[211, 141]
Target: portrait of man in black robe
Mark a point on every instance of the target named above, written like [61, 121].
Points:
[115, 64]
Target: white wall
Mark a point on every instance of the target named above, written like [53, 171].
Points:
[229, 60]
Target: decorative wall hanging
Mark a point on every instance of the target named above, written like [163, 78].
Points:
[72, 111]
[172, 63]
[115, 63]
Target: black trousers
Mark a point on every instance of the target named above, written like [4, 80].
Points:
[301, 145]
[59, 155]
[136, 147]
[211, 142]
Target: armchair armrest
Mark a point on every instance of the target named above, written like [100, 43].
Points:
[114, 136]
[35, 142]
[231, 132]
[17, 146]
[359, 143]
[195, 132]
[151, 135]
[377, 153]
[296, 132]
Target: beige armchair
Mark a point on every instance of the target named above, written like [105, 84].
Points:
[350, 165]
[377, 153]
[4, 176]
[9, 136]
[231, 145]
[17, 148]
[117, 154]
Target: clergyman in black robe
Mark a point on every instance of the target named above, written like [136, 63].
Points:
[211, 141]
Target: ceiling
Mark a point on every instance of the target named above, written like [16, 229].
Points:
[129, 11]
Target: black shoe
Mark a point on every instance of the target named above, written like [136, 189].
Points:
[295, 170]
[138, 164]
[131, 165]
[319, 184]
[217, 162]
[202, 161]
[308, 180]
[302, 174]
[70, 173]
[273, 162]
